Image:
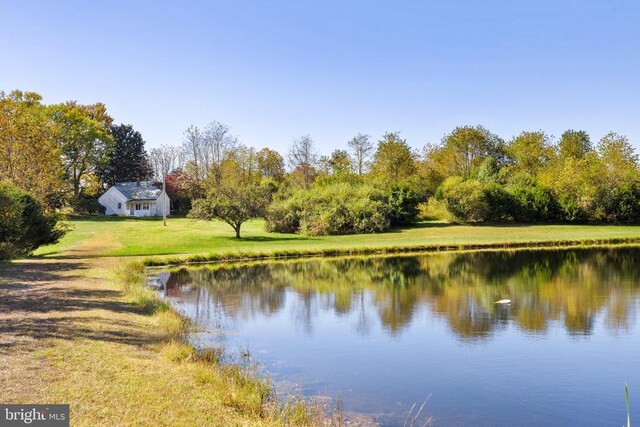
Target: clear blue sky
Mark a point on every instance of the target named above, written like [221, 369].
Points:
[275, 70]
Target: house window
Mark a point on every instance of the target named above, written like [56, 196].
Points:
[138, 206]
[145, 206]
[119, 205]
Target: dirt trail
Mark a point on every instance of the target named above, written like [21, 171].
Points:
[43, 302]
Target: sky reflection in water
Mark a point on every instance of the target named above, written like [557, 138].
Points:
[385, 332]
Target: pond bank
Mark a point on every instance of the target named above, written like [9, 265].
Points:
[86, 333]
[381, 250]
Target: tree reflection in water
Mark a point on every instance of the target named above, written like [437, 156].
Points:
[567, 286]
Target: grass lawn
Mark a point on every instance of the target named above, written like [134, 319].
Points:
[116, 236]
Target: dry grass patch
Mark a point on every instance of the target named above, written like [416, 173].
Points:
[69, 335]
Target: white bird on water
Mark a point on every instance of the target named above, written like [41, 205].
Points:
[503, 301]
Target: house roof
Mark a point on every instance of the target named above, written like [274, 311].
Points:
[145, 190]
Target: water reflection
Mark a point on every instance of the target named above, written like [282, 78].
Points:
[570, 287]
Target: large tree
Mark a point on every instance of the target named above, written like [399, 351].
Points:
[29, 152]
[575, 144]
[530, 151]
[619, 160]
[394, 162]
[128, 160]
[467, 146]
[270, 164]
[85, 147]
[24, 224]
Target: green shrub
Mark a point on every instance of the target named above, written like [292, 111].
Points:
[571, 211]
[624, 206]
[535, 204]
[283, 216]
[502, 206]
[24, 225]
[89, 206]
[402, 206]
[465, 200]
[335, 208]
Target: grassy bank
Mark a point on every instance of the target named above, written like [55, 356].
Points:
[330, 252]
[221, 385]
[87, 333]
[113, 236]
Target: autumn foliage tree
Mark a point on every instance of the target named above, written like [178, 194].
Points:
[29, 150]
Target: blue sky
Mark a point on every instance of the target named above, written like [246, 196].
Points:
[275, 70]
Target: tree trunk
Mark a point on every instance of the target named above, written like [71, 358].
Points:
[237, 228]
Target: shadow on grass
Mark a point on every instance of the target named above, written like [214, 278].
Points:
[43, 300]
[296, 237]
[118, 218]
[427, 224]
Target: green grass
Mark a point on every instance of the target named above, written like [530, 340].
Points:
[115, 236]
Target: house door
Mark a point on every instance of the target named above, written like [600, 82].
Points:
[131, 210]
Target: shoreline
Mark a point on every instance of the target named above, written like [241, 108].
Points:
[159, 261]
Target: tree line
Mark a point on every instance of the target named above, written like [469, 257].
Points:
[66, 155]
[472, 175]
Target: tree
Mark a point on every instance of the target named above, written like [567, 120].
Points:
[247, 158]
[270, 164]
[619, 160]
[176, 184]
[129, 160]
[575, 144]
[394, 161]
[207, 150]
[303, 159]
[29, 153]
[85, 147]
[530, 151]
[467, 146]
[164, 161]
[24, 224]
[338, 163]
[192, 147]
[218, 145]
[234, 200]
[361, 148]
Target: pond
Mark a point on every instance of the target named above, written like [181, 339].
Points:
[383, 333]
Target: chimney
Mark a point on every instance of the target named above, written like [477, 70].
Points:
[138, 182]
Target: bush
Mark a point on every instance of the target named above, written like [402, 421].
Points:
[24, 226]
[89, 206]
[283, 216]
[502, 206]
[535, 204]
[402, 206]
[332, 209]
[571, 211]
[624, 207]
[465, 200]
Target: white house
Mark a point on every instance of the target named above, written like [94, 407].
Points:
[142, 198]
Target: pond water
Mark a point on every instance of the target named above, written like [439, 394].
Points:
[383, 333]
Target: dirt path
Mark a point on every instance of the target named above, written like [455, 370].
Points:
[48, 303]
[68, 336]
